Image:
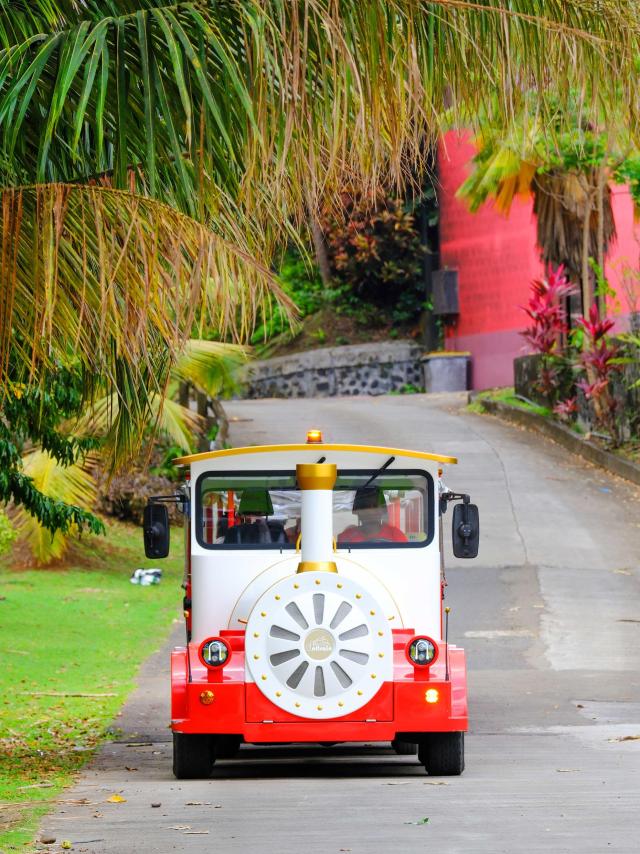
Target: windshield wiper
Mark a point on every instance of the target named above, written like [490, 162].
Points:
[378, 473]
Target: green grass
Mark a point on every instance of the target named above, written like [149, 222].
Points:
[80, 628]
[508, 396]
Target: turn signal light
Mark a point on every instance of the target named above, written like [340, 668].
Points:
[432, 695]
[314, 437]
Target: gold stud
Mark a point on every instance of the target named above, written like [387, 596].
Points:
[297, 705]
[263, 613]
[380, 634]
[256, 634]
[340, 703]
[319, 708]
[296, 586]
[381, 655]
[278, 693]
[339, 586]
[373, 613]
[263, 677]
[373, 675]
[277, 597]
[317, 581]
[359, 693]
[256, 656]
[358, 595]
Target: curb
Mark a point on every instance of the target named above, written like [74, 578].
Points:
[563, 436]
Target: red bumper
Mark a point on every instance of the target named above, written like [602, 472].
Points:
[239, 707]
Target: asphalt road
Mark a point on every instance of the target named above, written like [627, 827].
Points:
[549, 614]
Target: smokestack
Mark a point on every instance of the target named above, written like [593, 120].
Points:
[316, 482]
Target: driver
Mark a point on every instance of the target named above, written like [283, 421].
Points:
[370, 506]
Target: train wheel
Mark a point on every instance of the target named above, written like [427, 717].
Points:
[404, 748]
[442, 754]
[193, 755]
[227, 746]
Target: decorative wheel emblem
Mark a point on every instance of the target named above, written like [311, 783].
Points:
[318, 645]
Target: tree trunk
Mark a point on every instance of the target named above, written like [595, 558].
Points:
[320, 247]
[586, 273]
[600, 204]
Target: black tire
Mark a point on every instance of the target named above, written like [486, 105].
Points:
[404, 748]
[193, 756]
[227, 746]
[442, 754]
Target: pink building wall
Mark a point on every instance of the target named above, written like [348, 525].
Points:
[496, 258]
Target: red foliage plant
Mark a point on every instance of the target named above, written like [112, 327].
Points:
[545, 309]
[598, 358]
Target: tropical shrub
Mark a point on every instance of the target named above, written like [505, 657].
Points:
[548, 318]
[600, 361]
[375, 252]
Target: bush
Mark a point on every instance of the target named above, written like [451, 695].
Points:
[375, 253]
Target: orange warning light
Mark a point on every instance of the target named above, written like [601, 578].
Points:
[314, 437]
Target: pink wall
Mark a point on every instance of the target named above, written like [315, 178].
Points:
[496, 258]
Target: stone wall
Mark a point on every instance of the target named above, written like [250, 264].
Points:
[349, 370]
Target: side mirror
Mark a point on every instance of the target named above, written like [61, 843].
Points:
[156, 530]
[466, 530]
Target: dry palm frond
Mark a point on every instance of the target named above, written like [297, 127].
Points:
[71, 484]
[562, 201]
[101, 275]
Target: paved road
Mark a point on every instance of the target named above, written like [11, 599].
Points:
[550, 619]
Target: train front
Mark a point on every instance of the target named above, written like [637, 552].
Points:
[315, 588]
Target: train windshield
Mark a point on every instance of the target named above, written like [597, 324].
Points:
[262, 510]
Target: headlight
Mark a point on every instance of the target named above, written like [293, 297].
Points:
[213, 652]
[422, 651]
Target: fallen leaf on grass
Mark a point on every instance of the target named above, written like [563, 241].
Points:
[129, 768]
[116, 799]
[625, 738]
[420, 821]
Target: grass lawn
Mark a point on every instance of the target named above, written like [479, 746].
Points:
[508, 396]
[79, 628]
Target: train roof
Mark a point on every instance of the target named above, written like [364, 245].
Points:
[313, 447]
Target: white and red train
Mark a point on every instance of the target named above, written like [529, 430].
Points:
[314, 602]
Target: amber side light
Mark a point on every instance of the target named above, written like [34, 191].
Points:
[314, 437]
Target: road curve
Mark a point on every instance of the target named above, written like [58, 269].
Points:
[549, 614]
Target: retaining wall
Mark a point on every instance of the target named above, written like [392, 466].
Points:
[348, 370]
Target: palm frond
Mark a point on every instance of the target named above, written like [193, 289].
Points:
[72, 484]
[101, 275]
[209, 365]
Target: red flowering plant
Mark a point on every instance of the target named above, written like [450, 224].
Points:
[548, 324]
[601, 360]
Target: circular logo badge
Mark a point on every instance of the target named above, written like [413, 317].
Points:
[319, 644]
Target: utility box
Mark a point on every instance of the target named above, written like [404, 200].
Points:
[444, 284]
[446, 371]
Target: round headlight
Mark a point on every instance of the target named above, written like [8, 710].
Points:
[422, 651]
[214, 652]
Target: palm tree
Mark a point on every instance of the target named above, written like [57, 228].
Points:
[154, 155]
[568, 177]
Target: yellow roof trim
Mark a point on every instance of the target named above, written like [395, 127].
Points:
[257, 449]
